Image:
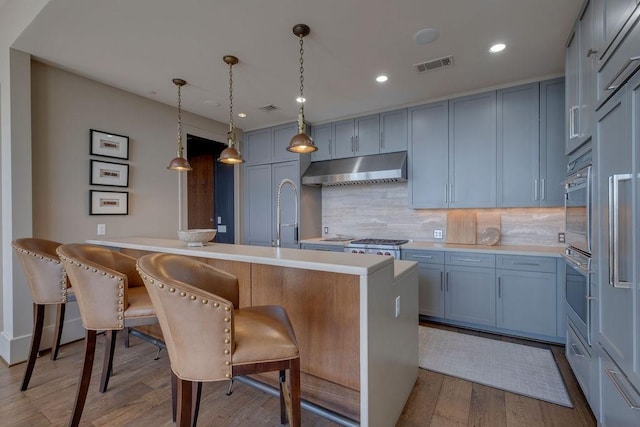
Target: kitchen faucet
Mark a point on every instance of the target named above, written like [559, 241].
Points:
[279, 225]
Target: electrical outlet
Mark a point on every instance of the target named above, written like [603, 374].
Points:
[326, 230]
[437, 234]
[102, 230]
[397, 306]
[561, 238]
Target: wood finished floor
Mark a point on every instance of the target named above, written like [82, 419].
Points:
[139, 395]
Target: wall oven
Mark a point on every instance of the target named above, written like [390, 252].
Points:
[578, 237]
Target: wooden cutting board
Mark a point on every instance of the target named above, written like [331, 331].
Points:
[461, 227]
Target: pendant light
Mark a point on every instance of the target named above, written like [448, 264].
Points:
[301, 143]
[231, 155]
[179, 163]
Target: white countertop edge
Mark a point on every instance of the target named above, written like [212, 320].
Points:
[401, 268]
[335, 262]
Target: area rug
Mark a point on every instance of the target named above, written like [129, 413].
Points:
[516, 368]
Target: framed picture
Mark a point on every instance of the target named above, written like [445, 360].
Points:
[108, 202]
[109, 144]
[107, 173]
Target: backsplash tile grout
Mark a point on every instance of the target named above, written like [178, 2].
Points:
[381, 210]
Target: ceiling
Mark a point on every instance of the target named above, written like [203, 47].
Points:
[139, 46]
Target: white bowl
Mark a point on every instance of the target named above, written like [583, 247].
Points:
[197, 236]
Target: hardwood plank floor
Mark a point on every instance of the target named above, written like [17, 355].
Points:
[139, 395]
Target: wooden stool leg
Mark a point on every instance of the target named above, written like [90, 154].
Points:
[197, 390]
[294, 378]
[185, 397]
[38, 325]
[283, 403]
[57, 333]
[85, 377]
[107, 364]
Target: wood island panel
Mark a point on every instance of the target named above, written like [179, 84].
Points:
[324, 309]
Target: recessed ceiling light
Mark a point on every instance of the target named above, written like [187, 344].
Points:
[243, 115]
[426, 35]
[300, 99]
[498, 47]
[382, 78]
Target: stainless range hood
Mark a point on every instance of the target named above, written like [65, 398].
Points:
[390, 167]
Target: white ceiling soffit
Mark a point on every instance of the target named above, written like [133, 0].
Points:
[139, 46]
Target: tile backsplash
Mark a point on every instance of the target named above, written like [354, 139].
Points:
[381, 211]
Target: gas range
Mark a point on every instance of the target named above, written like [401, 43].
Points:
[389, 247]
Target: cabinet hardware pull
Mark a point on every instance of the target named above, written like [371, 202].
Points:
[353, 145]
[591, 52]
[589, 210]
[446, 282]
[622, 74]
[357, 143]
[469, 260]
[441, 281]
[542, 189]
[614, 231]
[382, 139]
[499, 287]
[612, 376]
[533, 264]
[535, 189]
[445, 193]
[423, 256]
[329, 147]
[451, 193]
[575, 351]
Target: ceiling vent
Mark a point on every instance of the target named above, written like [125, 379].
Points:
[434, 64]
[269, 107]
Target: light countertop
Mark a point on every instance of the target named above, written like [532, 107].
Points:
[552, 251]
[336, 262]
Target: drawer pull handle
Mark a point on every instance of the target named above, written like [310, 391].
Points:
[591, 52]
[612, 376]
[423, 256]
[622, 74]
[532, 264]
[469, 260]
[575, 351]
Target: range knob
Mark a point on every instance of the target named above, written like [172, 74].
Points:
[353, 251]
[379, 253]
[387, 253]
[361, 252]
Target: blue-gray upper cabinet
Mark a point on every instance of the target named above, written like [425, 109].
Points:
[269, 145]
[428, 159]
[531, 160]
[612, 16]
[472, 151]
[553, 161]
[518, 146]
[322, 139]
[393, 131]
[356, 137]
[581, 55]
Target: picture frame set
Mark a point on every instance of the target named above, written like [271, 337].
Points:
[109, 174]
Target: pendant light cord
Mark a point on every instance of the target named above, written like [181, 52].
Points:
[302, 75]
[180, 148]
[231, 126]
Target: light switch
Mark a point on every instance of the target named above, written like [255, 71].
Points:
[397, 306]
[102, 229]
[219, 220]
[222, 229]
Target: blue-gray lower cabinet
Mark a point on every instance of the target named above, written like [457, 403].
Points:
[620, 399]
[470, 294]
[430, 280]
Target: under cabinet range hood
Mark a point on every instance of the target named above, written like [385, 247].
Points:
[377, 168]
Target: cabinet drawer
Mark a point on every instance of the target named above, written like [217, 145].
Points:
[471, 259]
[579, 359]
[620, 400]
[526, 263]
[425, 257]
[620, 64]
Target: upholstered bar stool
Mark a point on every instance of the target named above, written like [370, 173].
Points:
[209, 339]
[49, 286]
[111, 297]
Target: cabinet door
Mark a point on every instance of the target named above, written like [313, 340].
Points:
[527, 301]
[470, 294]
[472, 151]
[281, 136]
[428, 155]
[393, 131]
[614, 152]
[431, 291]
[634, 102]
[588, 55]
[553, 162]
[367, 135]
[322, 140]
[257, 147]
[518, 146]
[617, 396]
[611, 16]
[343, 142]
[572, 76]
[288, 199]
[257, 201]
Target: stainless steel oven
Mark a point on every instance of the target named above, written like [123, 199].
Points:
[578, 292]
[577, 205]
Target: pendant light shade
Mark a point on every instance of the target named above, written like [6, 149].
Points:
[179, 163]
[231, 155]
[301, 142]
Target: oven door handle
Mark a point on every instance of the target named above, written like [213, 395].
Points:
[614, 231]
[582, 268]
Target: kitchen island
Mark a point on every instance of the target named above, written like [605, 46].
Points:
[355, 318]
